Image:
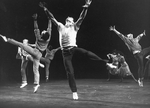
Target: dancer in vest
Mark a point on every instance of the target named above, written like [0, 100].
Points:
[67, 40]
[139, 53]
[42, 41]
[119, 67]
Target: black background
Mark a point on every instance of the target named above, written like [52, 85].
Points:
[129, 16]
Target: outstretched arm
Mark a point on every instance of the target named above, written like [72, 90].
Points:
[49, 29]
[83, 13]
[19, 51]
[36, 29]
[48, 13]
[35, 21]
[141, 35]
[117, 32]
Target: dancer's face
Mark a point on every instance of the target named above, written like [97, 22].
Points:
[25, 41]
[69, 21]
[130, 36]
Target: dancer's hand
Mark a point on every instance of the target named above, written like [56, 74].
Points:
[144, 33]
[35, 16]
[112, 28]
[108, 56]
[42, 5]
[87, 3]
[148, 57]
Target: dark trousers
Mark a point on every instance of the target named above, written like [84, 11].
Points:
[24, 64]
[140, 57]
[147, 68]
[67, 59]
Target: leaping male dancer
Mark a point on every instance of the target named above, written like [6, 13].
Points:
[42, 41]
[25, 57]
[134, 46]
[67, 40]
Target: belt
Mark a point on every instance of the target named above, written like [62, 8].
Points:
[68, 47]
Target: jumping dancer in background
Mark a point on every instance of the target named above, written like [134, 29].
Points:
[25, 57]
[124, 69]
[118, 67]
[49, 56]
[134, 46]
[112, 67]
[67, 39]
[42, 41]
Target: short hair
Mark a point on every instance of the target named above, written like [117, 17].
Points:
[25, 40]
[122, 60]
[70, 19]
[45, 35]
[129, 34]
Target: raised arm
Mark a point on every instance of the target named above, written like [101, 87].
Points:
[35, 20]
[83, 13]
[36, 29]
[49, 29]
[140, 35]
[117, 32]
[48, 13]
[19, 51]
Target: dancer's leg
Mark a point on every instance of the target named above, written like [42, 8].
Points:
[90, 54]
[28, 49]
[47, 65]
[67, 57]
[139, 58]
[23, 72]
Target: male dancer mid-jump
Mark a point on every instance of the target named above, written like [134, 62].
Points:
[42, 41]
[134, 46]
[67, 40]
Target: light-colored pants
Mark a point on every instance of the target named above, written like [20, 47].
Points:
[35, 53]
[24, 64]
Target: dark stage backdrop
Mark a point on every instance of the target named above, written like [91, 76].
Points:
[129, 16]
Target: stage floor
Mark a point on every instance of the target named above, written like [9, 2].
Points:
[93, 93]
